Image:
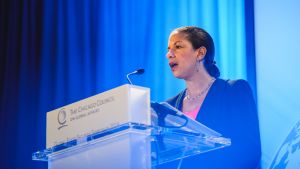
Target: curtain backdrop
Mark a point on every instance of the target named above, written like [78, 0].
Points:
[55, 52]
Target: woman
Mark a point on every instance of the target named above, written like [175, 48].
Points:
[225, 106]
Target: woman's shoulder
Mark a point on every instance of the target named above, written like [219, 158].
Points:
[237, 82]
[241, 91]
[234, 88]
[233, 83]
[239, 85]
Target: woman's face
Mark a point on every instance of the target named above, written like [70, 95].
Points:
[182, 56]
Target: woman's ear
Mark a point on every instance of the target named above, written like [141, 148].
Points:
[201, 53]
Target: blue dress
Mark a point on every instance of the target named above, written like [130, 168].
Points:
[229, 108]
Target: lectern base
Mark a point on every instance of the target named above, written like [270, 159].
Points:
[129, 146]
[127, 149]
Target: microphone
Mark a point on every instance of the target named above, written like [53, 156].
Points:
[138, 72]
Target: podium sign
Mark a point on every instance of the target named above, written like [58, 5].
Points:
[124, 104]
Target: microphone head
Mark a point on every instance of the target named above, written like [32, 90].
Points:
[140, 71]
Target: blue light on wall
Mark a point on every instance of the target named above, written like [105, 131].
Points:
[72, 49]
[277, 49]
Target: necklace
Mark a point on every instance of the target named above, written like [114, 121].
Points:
[188, 96]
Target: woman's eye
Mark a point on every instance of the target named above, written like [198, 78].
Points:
[178, 46]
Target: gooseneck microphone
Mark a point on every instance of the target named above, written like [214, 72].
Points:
[137, 72]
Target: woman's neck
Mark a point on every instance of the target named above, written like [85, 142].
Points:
[198, 83]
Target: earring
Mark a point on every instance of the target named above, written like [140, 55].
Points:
[197, 65]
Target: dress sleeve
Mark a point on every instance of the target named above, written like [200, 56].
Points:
[246, 137]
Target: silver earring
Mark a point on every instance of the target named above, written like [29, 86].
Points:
[197, 65]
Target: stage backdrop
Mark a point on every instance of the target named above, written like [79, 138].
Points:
[277, 39]
[55, 52]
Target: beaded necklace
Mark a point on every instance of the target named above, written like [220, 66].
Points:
[188, 96]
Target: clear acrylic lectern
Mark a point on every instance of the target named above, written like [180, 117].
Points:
[135, 146]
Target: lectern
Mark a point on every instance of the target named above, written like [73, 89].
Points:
[118, 129]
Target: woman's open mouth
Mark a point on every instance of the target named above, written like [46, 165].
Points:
[173, 65]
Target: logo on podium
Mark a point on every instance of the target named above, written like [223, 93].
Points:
[62, 118]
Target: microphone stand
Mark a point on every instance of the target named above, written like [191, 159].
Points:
[139, 71]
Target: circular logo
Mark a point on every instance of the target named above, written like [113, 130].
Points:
[62, 117]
